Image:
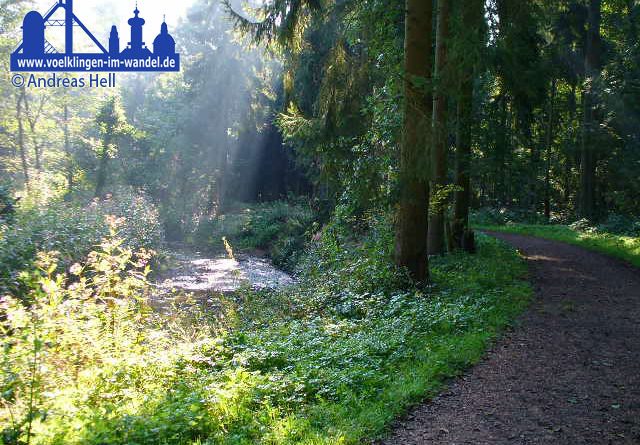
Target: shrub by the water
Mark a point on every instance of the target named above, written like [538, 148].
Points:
[331, 360]
[73, 230]
[280, 228]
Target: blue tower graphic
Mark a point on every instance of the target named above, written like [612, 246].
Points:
[164, 45]
[35, 46]
[136, 47]
[33, 26]
[114, 42]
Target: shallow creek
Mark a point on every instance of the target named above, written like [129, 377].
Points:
[201, 274]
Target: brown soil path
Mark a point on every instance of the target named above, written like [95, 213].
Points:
[568, 374]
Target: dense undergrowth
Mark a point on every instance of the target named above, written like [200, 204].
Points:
[330, 360]
[72, 230]
[616, 224]
[279, 228]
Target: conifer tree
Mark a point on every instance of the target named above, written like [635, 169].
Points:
[412, 207]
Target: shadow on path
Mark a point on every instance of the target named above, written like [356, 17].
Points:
[567, 374]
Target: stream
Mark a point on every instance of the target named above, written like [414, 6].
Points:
[202, 274]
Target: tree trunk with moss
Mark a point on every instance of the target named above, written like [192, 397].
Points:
[21, 143]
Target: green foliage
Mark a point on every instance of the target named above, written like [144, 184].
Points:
[308, 364]
[7, 205]
[499, 216]
[73, 231]
[335, 357]
[111, 121]
[192, 140]
[280, 228]
[280, 21]
[350, 265]
[112, 128]
[70, 327]
[205, 135]
[141, 227]
[342, 114]
[620, 225]
[583, 234]
[357, 349]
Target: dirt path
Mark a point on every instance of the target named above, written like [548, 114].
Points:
[568, 374]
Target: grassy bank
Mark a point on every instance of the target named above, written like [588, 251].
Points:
[332, 360]
[624, 247]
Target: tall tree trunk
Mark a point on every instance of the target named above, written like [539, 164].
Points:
[32, 119]
[592, 72]
[547, 176]
[570, 154]
[504, 146]
[37, 151]
[473, 14]
[531, 199]
[67, 153]
[463, 163]
[413, 204]
[103, 164]
[220, 179]
[436, 245]
[21, 146]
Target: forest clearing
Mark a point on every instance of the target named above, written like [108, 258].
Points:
[339, 222]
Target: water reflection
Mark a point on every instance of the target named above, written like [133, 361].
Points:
[196, 274]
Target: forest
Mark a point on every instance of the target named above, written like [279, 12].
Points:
[338, 223]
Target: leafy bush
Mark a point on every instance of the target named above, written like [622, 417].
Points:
[73, 231]
[141, 226]
[491, 216]
[582, 225]
[348, 349]
[279, 227]
[350, 269]
[620, 225]
[7, 205]
[91, 322]
[614, 224]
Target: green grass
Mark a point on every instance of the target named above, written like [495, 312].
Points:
[402, 348]
[624, 247]
[331, 361]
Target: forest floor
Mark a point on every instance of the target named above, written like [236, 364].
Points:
[568, 373]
